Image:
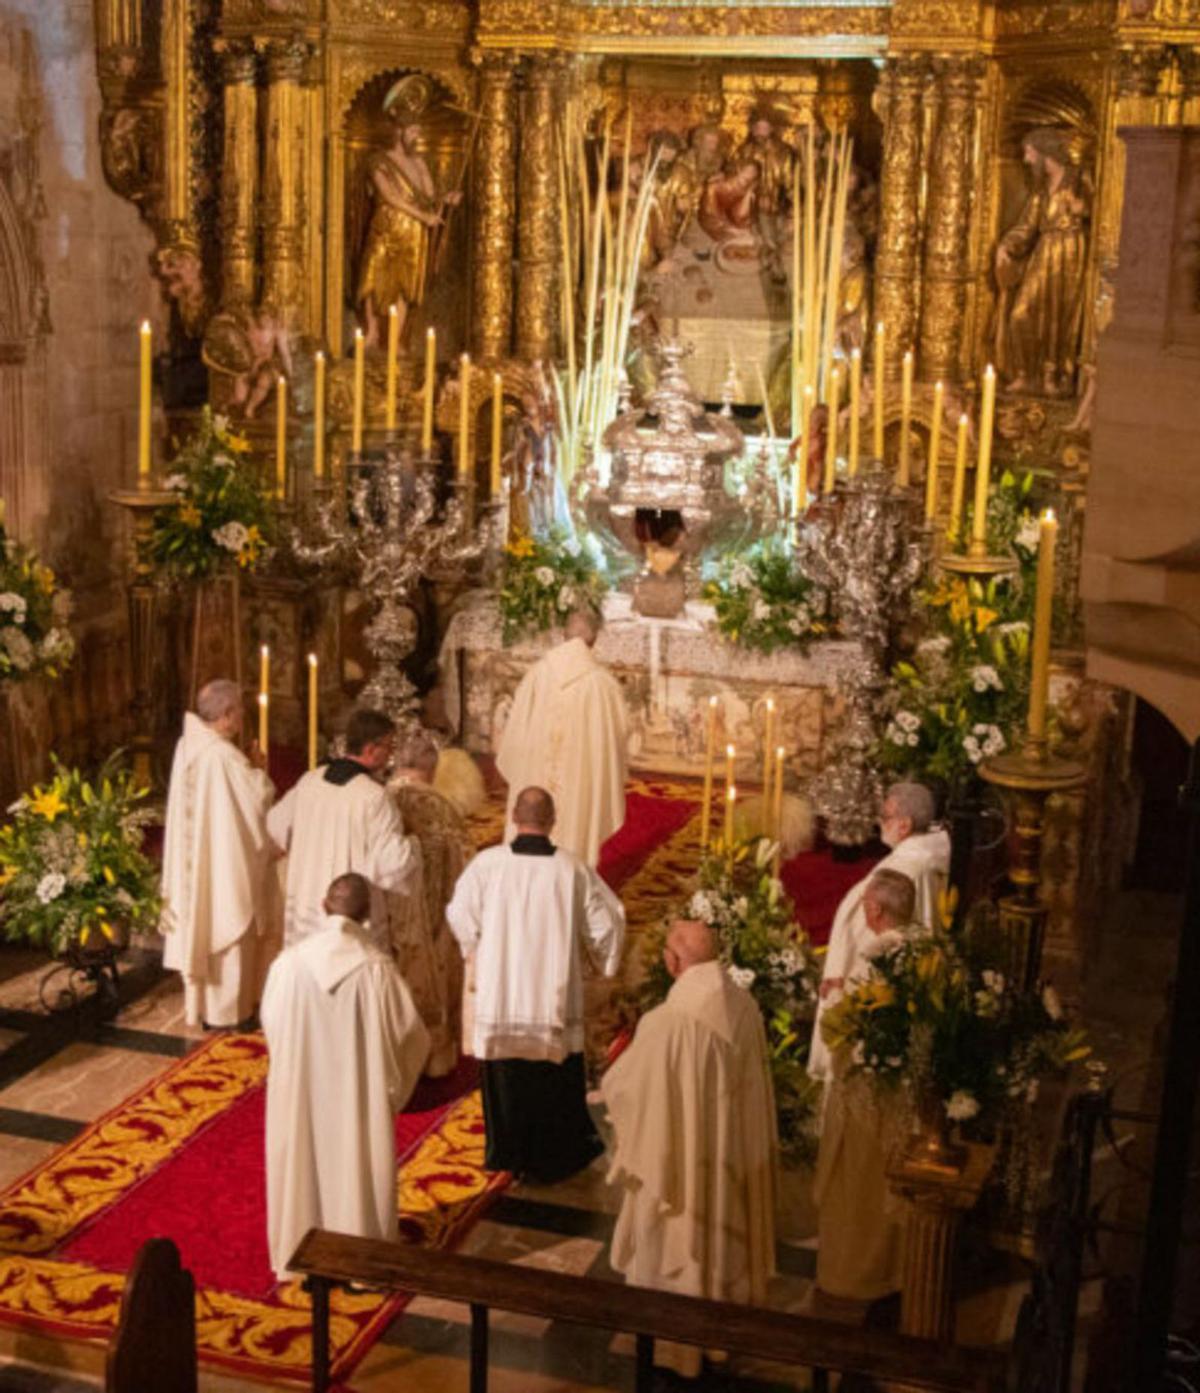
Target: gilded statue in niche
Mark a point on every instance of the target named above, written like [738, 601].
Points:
[247, 351]
[1041, 269]
[406, 209]
[776, 162]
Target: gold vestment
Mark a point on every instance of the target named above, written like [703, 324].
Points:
[397, 246]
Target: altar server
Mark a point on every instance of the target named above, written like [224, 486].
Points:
[338, 818]
[219, 909]
[568, 733]
[858, 1218]
[346, 1045]
[919, 851]
[530, 911]
[693, 1110]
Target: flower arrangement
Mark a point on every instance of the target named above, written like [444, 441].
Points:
[34, 612]
[544, 578]
[762, 601]
[962, 697]
[72, 869]
[220, 515]
[936, 1017]
[764, 950]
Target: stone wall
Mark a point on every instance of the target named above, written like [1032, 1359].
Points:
[74, 284]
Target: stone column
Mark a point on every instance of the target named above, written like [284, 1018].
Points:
[239, 173]
[283, 173]
[495, 206]
[537, 224]
[897, 262]
[948, 221]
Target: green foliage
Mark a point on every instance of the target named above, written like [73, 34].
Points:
[963, 696]
[544, 579]
[72, 869]
[221, 515]
[936, 1015]
[763, 602]
[34, 611]
[763, 949]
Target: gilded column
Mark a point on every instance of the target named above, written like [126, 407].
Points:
[1189, 86]
[537, 225]
[495, 206]
[283, 178]
[178, 229]
[948, 221]
[239, 173]
[897, 263]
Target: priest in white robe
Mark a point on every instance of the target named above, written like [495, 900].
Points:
[338, 818]
[218, 879]
[346, 1049]
[568, 733]
[919, 851]
[859, 1220]
[693, 1111]
[531, 912]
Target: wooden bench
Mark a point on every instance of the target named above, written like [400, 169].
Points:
[332, 1259]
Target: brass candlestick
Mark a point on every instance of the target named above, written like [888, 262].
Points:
[1030, 774]
[978, 561]
[143, 596]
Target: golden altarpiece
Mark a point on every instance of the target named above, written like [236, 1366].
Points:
[252, 135]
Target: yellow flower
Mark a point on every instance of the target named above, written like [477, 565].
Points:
[189, 515]
[45, 579]
[984, 618]
[521, 547]
[6, 874]
[930, 965]
[237, 443]
[81, 841]
[872, 996]
[48, 804]
[108, 875]
[947, 905]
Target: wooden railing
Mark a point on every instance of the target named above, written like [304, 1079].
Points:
[332, 1259]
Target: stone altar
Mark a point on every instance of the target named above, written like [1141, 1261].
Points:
[668, 668]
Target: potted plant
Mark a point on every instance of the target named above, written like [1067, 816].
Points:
[73, 876]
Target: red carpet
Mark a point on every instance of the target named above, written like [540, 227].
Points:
[650, 819]
[183, 1158]
[817, 883]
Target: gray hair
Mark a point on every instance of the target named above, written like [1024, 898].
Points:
[217, 698]
[915, 802]
[895, 895]
[417, 750]
[585, 624]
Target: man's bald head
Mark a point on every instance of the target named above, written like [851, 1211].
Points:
[585, 624]
[350, 896]
[689, 942]
[534, 811]
[219, 704]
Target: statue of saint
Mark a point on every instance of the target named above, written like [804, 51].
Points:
[406, 207]
[676, 198]
[728, 203]
[776, 161]
[1040, 268]
[704, 156]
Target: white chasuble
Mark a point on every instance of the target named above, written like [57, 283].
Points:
[529, 918]
[568, 733]
[693, 1110]
[218, 880]
[346, 1049]
[339, 819]
[925, 859]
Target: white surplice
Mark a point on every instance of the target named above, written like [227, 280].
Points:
[925, 859]
[568, 733]
[218, 880]
[346, 1049]
[529, 920]
[328, 829]
[693, 1111]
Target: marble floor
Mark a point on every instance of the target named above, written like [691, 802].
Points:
[56, 1077]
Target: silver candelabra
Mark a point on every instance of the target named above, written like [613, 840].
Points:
[867, 549]
[392, 525]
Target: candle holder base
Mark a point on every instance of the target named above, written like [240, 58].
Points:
[980, 563]
[1033, 769]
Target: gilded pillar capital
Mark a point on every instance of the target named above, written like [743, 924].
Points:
[1140, 69]
[1189, 74]
[286, 59]
[237, 61]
